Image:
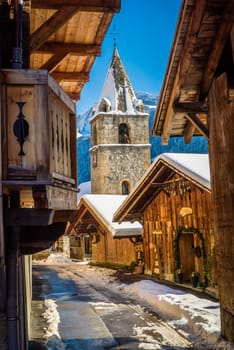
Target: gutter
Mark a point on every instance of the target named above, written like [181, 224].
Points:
[13, 236]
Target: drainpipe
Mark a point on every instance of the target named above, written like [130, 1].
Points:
[13, 236]
[17, 50]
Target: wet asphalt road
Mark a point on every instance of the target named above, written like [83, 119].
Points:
[94, 317]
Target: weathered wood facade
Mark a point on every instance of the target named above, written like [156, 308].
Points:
[174, 241]
[197, 98]
[107, 250]
[178, 232]
[111, 243]
[80, 246]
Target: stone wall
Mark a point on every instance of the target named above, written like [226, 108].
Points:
[105, 128]
[115, 164]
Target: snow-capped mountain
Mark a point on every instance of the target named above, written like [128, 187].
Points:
[82, 122]
[149, 100]
[150, 103]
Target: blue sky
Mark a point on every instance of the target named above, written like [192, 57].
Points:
[146, 30]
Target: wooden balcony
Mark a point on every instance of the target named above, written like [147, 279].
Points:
[38, 124]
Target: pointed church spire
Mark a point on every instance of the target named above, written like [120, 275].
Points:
[117, 92]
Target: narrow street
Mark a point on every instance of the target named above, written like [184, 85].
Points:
[79, 313]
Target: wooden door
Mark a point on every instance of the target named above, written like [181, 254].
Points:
[186, 246]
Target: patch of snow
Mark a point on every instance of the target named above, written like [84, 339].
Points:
[52, 319]
[85, 188]
[57, 259]
[202, 315]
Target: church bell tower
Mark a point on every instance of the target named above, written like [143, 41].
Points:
[120, 149]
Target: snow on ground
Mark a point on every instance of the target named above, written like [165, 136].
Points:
[201, 315]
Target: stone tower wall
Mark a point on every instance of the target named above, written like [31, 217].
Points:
[117, 163]
[105, 128]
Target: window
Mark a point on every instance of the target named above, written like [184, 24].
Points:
[123, 133]
[125, 187]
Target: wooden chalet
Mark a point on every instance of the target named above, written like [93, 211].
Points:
[112, 243]
[173, 202]
[47, 49]
[197, 99]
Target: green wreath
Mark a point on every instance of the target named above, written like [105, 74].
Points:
[201, 251]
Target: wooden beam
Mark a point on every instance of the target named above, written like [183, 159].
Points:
[28, 217]
[190, 107]
[55, 22]
[188, 132]
[59, 91]
[71, 76]
[81, 211]
[221, 154]
[75, 96]
[25, 77]
[85, 229]
[191, 37]
[157, 184]
[64, 215]
[183, 65]
[81, 49]
[88, 221]
[218, 47]
[198, 124]
[38, 217]
[84, 5]
[53, 62]
[103, 27]
[63, 178]
[134, 216]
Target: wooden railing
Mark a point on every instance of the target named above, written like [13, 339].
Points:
[38, 129]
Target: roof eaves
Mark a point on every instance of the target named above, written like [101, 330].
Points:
[168, 79]
[151, 174]
[186, 173]
[140, 188]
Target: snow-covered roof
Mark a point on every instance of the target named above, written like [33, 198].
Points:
[117, 93]
[194, 165]
[105, 205]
